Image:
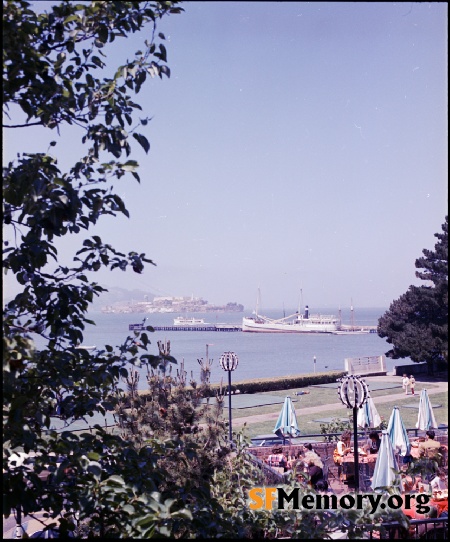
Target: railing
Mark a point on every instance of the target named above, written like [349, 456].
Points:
[271, 476]
[419, 529]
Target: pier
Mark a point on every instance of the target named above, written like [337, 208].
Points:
[205, 327]
[371, 329]
[232, 328]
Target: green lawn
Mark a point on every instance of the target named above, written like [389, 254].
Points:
[321, 396]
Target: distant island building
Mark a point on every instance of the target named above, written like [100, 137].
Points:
[168, 304]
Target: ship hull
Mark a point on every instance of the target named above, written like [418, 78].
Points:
[255, 326]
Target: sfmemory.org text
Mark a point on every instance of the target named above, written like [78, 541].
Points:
[261, 498]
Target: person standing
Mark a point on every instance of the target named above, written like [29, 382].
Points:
[412, 383]
[405, 383]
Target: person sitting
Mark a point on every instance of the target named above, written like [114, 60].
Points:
[439, 482]
[315, 471]
[277, 458]
[312, 456]
[375, 442]
[342, 449]
[343, 445]
[429, 448]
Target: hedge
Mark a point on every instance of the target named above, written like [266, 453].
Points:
[259, 385]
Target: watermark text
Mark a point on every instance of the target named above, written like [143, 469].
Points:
[268, 498]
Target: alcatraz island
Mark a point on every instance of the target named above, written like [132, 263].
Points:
[170, 304]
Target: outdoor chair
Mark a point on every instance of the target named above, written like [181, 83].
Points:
[444, 456]
[364, 477]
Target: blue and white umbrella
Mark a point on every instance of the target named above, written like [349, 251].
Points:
[287, 421]
[368, 415]
[426, 418]
[397, 433]
[384, 475]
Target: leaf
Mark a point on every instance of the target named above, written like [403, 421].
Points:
[103, 33]
[71, 18]
[116, 480]
[142, 140]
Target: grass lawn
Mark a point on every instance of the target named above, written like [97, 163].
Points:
[323, 396]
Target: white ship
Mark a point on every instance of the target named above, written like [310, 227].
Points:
[295, 323]
[183, 321]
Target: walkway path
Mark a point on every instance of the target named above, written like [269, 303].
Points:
[441, 387]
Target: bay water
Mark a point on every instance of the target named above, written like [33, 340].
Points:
[260, 355]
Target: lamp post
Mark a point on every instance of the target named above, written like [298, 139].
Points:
[229, 361]
[353, 393]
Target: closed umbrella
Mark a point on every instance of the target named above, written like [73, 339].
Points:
[426, 418]
[384, 475]
[397, 433]
[368, 415]
[287, 421]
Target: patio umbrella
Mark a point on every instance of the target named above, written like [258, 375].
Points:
[383, 475]
[397, 433]
[426, 418]
[368, 415]
[287, 421]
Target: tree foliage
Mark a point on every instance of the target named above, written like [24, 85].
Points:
[53, 76]
[416, 324]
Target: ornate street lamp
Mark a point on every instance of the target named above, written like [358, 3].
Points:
[229, 361]
[353, 392]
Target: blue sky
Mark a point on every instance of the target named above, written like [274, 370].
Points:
[296, 146]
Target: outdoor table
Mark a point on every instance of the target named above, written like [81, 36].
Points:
[439, 502]
[411, 512]
[414, 452]
[367, 460]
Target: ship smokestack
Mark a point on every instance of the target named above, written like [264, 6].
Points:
[306, 312]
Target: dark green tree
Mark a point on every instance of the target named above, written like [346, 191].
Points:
[54, 78]
[416, 323]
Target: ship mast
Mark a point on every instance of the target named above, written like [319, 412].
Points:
[351, 315]
[300, 302]
[258, 299]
